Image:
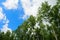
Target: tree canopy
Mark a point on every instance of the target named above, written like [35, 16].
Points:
[45, 26]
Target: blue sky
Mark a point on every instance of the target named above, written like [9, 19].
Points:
[14, 12]
[13, 15]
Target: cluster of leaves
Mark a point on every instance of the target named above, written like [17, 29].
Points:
[46, 26]
[7, 36]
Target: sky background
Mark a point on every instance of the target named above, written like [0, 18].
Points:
[14, 12]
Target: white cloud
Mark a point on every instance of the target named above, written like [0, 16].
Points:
[11, 4]
[5, 21]
[5, 27]
[1, 14]
[31, 7]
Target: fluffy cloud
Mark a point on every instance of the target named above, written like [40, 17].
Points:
[5, 21]
[1, 14]
[5, 27]
[11, 4]
[31, 6]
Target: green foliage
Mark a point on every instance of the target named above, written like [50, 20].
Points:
[7, 36]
